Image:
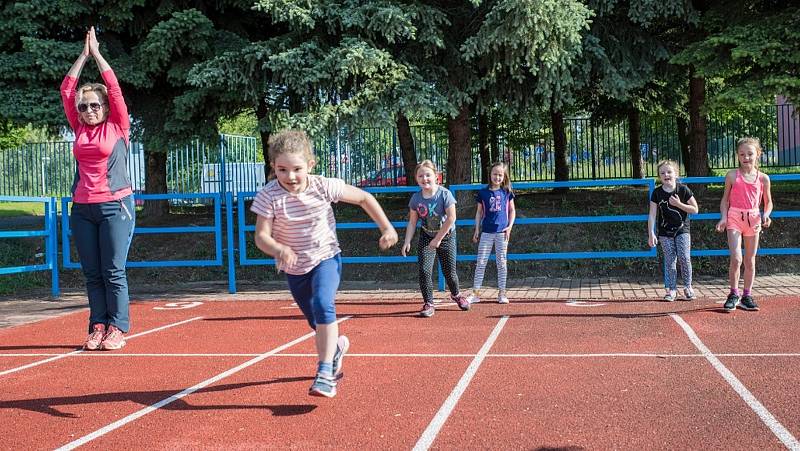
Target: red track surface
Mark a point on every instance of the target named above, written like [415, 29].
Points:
[621, 375]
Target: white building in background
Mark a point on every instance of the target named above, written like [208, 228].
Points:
[788, 132]
[238, 177]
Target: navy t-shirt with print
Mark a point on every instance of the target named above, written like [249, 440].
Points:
[495, 209]
[670, 220]
[432, 211]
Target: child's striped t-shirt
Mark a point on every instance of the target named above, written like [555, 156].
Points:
[303, 221]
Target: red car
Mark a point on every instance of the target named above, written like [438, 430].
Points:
[393, 176]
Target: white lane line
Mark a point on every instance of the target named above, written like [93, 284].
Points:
[433, 356]
[61, 356]
[772, 423]
[153, 407]
[430, 433]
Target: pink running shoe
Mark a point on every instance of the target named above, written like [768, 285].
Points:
[462, 302]
[93, 340]
[114, 339]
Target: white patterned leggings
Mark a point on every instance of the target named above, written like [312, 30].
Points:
[498, 240]
[678, 248]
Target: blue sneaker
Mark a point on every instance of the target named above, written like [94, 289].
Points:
[323, 386]
[748, 303]
[731, 302]
[342, 345]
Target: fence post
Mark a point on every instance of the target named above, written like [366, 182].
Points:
[51, 252]
[222, 172]
[229, 233]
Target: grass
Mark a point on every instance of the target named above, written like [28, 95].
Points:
[22, 252]
[12, 209]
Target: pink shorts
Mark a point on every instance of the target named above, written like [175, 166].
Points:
[747, 222]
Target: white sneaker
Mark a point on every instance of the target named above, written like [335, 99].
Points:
[473, 298]
[342, 345]
[670, 295]
[688, 294]
[502, 300]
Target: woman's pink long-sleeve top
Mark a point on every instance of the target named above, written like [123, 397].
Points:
[101, 151]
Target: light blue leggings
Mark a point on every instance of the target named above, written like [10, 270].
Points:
[678, 248]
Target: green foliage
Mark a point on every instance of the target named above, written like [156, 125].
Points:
[10, 135]
[532, 44]
[754, 55]
[243, 124]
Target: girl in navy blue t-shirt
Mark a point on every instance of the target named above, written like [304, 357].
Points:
[493, 222]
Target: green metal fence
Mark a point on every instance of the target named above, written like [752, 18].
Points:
[371, 157]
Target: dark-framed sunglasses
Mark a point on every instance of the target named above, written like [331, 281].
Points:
[83, 107]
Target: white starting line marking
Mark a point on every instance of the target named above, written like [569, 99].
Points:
[450, 403]
[61, 356]
[574, 303]
[179, 305]
[769, 420]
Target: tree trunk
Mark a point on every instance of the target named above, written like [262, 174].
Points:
[698, 158]
[698, 153]
[459, 153]
[494, 139]
[407, 149]
[634, 136]
[483, 145]
[683, 140]
[156, 183]
[560, 148]
[264, 130]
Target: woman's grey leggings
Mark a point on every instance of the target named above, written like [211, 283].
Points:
[677, 248]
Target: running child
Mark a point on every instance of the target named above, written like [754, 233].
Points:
[668, 224]
[435, 208]
[494, 219]
[296, 226]
[745, 189]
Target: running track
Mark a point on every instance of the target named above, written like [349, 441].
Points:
[536, 374]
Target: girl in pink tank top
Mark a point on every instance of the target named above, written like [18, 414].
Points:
[745, 189]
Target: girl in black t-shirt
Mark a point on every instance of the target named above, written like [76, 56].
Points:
[668, 223]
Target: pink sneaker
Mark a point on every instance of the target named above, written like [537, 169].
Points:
[462, 302]
[93, 340]
[114, 339]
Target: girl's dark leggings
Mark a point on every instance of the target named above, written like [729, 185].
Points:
[447, 258]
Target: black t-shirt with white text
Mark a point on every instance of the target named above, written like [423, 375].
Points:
[670, 220]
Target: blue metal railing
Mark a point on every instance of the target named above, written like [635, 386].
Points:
[50, 235]
[242, 228]
[716, 216]
[216, 229]
[649, 183]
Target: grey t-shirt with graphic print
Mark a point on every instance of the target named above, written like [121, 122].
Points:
[432, 211]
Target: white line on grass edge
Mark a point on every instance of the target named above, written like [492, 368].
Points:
[450, 403]
[772, 423]
[61, 356]
[136, 415]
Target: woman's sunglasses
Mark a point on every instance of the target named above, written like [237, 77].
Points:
[83, 107]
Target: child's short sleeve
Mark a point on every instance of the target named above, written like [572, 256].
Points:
[332, 189]
[685, 193]
[262, 204]
[412, 203]
[448, 199]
